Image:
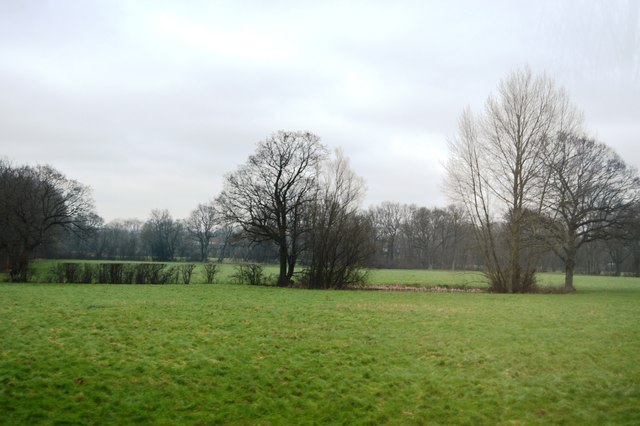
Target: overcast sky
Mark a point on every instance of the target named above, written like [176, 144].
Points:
[151, 102]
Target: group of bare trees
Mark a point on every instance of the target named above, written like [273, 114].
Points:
[529, 181]
[290, 202]
[160, 238]
[291, 194]
[410, 236]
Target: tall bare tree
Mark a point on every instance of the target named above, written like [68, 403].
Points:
[591, 194]
[269, 195]
[632, 235]
[388, 218]
[339, 236]
[456, 227]
[497, 171]
[162, 234]
[419, 229]
[201, 226]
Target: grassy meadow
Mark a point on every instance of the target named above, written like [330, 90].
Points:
[376, 277]
[207, 354]
[404, 277]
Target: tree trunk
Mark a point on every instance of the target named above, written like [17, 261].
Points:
[291, 263]
[19, 267]
[283, 281]
[223, 250]
[204, 251]
[569, 268]
[513, 284]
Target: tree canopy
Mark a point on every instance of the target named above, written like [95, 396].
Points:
[269, 195]
[36, 205]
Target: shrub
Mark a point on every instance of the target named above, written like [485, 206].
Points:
[113, 273]
[499, 280]
[333, 278]
[20, 269]
[169, 275]
[118, 273]
[139, 274]
[210, 269]
[56, 273]
[71, 272]
[249, 273]
[186, 271]
[86, 274]
[128, 273]
[154, 273]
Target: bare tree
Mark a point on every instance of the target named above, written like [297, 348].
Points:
[592, 194]
[388, 219]
[632, 234]
[224, 238]
[130, 246]
[201, 226]
[618, 250]
[420, 230]
[162, 235]
[456, 227]
[339, 240]
[37, 204]
[419, 237]
[119, 239]
[269, 195]
[497, 171]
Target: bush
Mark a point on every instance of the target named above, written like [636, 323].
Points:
[71, 272]
[56, 273]
[20, 269]
[210, 269]
[336, 279]
[118, 273]
[499, 280]
[112, 273]
[186, 271]
[154, 273]
[128, 273]
[86, 275]
[249, 273]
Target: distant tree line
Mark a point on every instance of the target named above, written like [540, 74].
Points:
[400, 236]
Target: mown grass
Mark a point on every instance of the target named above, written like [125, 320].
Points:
[462, 279]
[109, 354]
[426, 278]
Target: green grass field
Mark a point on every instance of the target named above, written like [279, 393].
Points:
[376, 277]
[206, 354]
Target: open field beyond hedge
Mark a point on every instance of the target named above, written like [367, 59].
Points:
[376, 277]
[105, 354]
